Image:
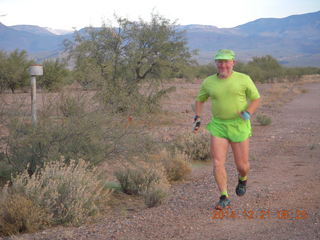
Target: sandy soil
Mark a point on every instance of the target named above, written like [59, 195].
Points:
[283, 197]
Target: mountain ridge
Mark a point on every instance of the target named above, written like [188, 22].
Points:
[293, 40]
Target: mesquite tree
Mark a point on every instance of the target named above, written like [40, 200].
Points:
[130, 62]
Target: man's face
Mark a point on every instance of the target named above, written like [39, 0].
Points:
[224, 67]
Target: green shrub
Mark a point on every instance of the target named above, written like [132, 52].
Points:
[264, 69]
[5, 171]
[75, 127]
[54, 75]
[264, 120]
[113, 186]
[71, 137]
[69, 192]
[268, 69]
[18, 214]
[203, 71]
[14, 70]
[70, 106]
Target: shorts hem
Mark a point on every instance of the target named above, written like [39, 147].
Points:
[231, 140]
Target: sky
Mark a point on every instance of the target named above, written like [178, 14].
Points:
[76, 14]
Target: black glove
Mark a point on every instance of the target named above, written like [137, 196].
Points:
[196, 122]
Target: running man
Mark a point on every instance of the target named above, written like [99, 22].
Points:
[234, 99]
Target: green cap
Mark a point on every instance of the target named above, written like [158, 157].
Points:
[224, 54]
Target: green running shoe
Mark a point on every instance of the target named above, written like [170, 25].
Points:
[224, 202]
[241, 188]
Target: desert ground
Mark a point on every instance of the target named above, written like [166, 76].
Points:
[283, 196]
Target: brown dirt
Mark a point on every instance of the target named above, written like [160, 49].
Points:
[284, 178]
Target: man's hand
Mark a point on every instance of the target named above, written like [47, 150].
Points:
[196, 123]
[245, 115]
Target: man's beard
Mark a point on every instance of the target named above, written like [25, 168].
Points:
[224, 74]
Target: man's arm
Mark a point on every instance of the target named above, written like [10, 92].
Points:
[253, 106]
[246, 115]
[199, 108]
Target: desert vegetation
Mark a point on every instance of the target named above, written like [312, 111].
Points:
[59, 171]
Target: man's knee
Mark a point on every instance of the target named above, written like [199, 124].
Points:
[243, 166]
[218, 163]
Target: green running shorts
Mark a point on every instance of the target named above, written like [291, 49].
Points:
[235, 130]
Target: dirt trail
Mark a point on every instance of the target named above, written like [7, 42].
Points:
[284, 179]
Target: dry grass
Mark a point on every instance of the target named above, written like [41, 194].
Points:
[281, 93]
[276, 93]
[121, 203]
[19, 214]
[176, 163]
[195, 146]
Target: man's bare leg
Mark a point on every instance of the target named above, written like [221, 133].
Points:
[219, 147]
[241, 158]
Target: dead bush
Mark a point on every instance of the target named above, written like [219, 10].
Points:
[155, 196]
[195, 146]
[263, 120]
[18, 214]
[176, 163]
[143, 180]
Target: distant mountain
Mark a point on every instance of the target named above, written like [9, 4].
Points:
[32, 29]
[41, 30]
[37, 41]
[305, 23]
[294, 40]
